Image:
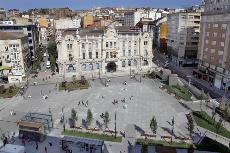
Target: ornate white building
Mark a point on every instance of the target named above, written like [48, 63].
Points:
[99, 52]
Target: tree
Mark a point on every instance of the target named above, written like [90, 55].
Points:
[153, 125]
[218, 125]
[52, 51]
[106, 119]
[89, 117]
[74, 116]
[222, 104]
[190, 126]
[208, 100]
[202, 97]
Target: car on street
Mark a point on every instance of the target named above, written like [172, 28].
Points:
[48, 64]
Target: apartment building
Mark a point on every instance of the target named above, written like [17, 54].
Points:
[94, 52]
[30, 30]
[43, 26]
[183, 36]
[160, 34]
[15, 58]
[214, 44]
[67, 23]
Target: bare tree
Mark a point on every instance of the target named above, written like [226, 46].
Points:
[153, 125]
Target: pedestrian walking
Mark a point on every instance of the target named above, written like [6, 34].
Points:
[36, 145]
[45, 149]
[50, 143]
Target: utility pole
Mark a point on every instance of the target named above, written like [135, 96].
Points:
[115, 124]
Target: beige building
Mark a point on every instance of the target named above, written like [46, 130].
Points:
[15, 56]
[99, 52]
[87, 21]
[214, 45]
[183, 36]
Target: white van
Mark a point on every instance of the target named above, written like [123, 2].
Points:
[48, 64]
[44, 54]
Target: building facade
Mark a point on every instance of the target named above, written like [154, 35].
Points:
[15, 56]
[66, 23]
[183, 36]
[30, 30]
[43, 26]
[87, 20]
[98, 52]
[214, 45]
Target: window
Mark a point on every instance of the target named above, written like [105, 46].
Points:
[123, 43]
[83, 45]
[83, 67]
[214, 34]
[215, 25]
[135, 43]
[213, 42]
[207, 34]
[97, 65]
[69, 46]
[96, 44]
[90, 55]
[222, 44]
[135, 52]
[90, 46]
[145, 43]
[129, 63]
[224, 26]
[129, 43]
[29, 34]
[107, 45]
[123, 63]
[111, 45]
[115, 44]
[129, 52]
[223, 35]
[96, 54]
[135, 62]
[107, 54]
[83, 55]
[123, 52]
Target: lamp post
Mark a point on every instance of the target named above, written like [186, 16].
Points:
[63, 117]
[115, 129]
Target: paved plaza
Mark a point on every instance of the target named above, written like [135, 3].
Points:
[142, 101]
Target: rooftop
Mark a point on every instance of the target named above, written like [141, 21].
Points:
[11, 35]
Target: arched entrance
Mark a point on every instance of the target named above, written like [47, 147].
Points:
[111, 67]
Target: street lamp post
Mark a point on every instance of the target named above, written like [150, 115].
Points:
[115, 129]
[63, 117]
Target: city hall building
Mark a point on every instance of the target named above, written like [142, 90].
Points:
[91, 52]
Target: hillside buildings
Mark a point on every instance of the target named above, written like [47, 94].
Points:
[214, 45]
[98, 52]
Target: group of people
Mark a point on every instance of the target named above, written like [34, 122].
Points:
[82, 103]
[115, 101]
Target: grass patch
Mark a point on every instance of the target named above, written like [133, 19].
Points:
[205, 121]
[179, 91]
[8, 92]
[212, 146]
[92, 136]
[74, 85]
[163, 143]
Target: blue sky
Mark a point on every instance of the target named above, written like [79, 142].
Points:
[84, 4]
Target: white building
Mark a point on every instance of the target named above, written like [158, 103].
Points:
[15, 56]
[66, 23]
[132, 18]
[98, 52]
[183, 35]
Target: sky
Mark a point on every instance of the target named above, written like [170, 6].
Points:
[87, 4]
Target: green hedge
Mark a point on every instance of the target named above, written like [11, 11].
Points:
[204, 120]
[180, 91]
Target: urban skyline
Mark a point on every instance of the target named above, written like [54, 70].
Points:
[87, 4]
